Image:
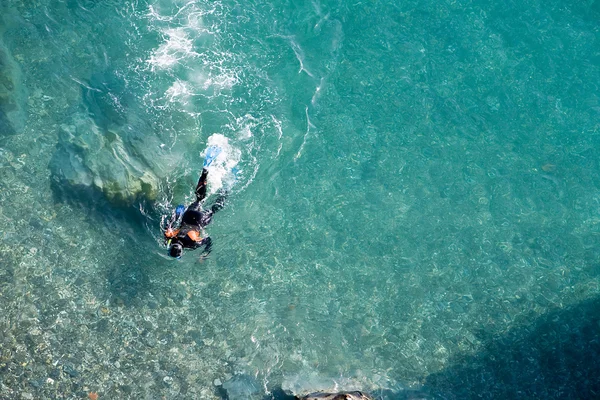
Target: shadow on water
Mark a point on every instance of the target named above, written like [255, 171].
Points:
[127, 264]
[128, 282]
[555, 357]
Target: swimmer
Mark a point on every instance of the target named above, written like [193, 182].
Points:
[190, 233]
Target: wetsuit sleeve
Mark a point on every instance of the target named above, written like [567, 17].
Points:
[170, 233]
[207, 242]
[219, 203]
[168, 228]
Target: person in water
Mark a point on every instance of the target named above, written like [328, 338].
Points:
[190, 233]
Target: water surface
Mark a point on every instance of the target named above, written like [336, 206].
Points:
[418, 181]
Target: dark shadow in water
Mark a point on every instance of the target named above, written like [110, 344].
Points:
[555, 357]
[134, 261]
[5, 126]
[128, 283]
[280, 394]
[104, 212]
[107, 98]
[127, 268]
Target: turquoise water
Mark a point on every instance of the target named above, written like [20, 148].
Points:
[416, 212]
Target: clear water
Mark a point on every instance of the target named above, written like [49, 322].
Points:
[419, 182]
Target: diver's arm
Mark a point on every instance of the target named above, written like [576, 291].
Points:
[200, 241]
[168, 229]
[197, 240]
[170, 233]
[207, 242]
[168, 226]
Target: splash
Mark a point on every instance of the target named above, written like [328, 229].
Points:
[223, 170]
[177, 47]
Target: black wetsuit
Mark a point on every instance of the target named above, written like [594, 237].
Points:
[194, 219]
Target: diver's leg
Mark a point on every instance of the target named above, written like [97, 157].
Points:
[201, 187]
[219, 203]
[207, 215]
[193, 214]
[206, 218]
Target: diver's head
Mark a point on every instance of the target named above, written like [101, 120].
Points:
[176, 250]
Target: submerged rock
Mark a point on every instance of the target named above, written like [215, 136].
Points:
[309, 384]
[13, 94]
[107, 99]
[118, 163]
[356, 395]
[241, 387]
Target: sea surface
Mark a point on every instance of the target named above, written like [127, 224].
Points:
[415, 212]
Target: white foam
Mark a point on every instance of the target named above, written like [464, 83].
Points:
[176, 47]
[179, 91]
[197, 72]
[222, 80]
[221, 170]
[244, 126]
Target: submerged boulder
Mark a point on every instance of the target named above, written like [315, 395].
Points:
[305, 384]
[107, 99]
[355, 395]
[120, 164]
[13, 94]
[241, 387]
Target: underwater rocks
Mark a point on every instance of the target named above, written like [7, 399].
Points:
[241, 387]
[356, 395]
[107, 99]
[118, 163]
[307, 384]
[13, 94]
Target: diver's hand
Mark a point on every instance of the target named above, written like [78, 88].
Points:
[170, 232]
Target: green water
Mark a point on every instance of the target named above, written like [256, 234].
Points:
[417, 207]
